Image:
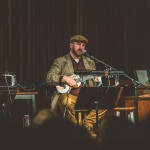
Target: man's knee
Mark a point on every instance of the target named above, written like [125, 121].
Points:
[62, 100]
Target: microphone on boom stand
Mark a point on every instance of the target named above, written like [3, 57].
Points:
[85, 53]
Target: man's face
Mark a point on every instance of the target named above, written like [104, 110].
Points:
[77, 48]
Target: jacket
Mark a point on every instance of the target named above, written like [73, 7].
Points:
[63, 66]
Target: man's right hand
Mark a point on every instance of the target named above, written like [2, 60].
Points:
[69, 80]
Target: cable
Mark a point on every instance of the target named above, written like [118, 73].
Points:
[8, 89]
[24, 88]
[106, 90]
[10, 116]
[64, 114]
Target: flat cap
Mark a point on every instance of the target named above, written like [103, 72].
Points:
[78, 38]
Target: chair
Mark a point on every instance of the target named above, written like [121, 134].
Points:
[143, 76]
[129, 112]
[80, 114]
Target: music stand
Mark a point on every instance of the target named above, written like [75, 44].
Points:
[97, 98]
[106, 96]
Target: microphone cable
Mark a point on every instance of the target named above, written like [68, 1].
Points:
[64, 114]
[108, 87]
[25, 89]
[10, 98]
[8, 89]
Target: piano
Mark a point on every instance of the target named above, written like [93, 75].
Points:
[128, 99]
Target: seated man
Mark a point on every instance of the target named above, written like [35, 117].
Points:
[61, 75]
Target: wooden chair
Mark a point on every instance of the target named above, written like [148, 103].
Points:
[129, 112]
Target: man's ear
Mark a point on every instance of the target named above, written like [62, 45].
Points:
[71, 45]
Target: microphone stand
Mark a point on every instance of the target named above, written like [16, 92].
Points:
[46, 93]
[135, 82]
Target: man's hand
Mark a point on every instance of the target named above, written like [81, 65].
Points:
[97, 79]
[69, 80]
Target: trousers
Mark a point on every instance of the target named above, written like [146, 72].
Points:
[69, 102]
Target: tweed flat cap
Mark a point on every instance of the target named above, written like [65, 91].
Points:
[78, 38]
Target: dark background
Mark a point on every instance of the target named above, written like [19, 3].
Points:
[34, 32]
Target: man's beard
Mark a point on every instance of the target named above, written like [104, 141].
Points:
[75, 53]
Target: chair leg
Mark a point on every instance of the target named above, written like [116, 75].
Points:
[117, 113]
[79, 118]
[131, 117]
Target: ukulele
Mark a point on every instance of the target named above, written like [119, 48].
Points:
[65, 87]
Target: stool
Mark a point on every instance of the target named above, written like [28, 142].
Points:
[80, 114]
[129, 110]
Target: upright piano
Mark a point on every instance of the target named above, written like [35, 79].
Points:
[128, 99]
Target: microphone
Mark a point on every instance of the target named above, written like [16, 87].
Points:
[85, 53]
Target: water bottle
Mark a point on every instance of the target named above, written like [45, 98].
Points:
[26, 121]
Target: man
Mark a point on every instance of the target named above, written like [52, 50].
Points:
[61, 73]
